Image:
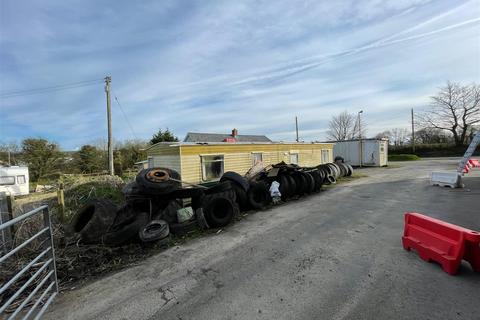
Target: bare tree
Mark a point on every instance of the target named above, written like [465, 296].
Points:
[433, 135]
[341, 127]
[399, 136]
[384, 134]
[455, 108]
[9, 152]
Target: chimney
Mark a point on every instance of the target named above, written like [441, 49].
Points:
[234, 133]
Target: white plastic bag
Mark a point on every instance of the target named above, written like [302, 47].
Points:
[274, 191]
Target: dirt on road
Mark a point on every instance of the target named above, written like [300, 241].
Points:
[335, 255]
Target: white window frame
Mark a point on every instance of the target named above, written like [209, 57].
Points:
[327, 152]
[294, 154]
[203, 162]
[255, 154]
[24, 179]
[12, 178]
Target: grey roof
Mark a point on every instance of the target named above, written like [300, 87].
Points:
[218, 137]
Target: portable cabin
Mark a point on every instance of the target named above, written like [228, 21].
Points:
[205, 162]
[14, 180]
[364, 152]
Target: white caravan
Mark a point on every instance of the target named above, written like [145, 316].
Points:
[14, 180]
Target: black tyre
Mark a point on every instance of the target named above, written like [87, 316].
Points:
[126, 231]
[220, 211]
[236, 178]
[284, 186]
[241, 197]
[292, 186]
[200, 216]
[310, 182]
[169, 214]
[158, 180]
[155, 230]
[337, 170]
[318, 180]
[300, 182]
[94, 219]
[219, 188]
[186, 193]
[331, 179]
[258, 195]
[350, 169]
[184, 227]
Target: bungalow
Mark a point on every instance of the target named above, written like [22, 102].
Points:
[200, 161]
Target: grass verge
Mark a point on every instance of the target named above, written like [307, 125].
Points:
[403, 157]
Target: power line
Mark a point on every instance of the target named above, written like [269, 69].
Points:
[50, 89]
[125, 116]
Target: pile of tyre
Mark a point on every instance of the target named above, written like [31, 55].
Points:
[150, 212]
[155, 200]
[295, 181]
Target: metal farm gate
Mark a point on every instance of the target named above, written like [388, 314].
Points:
[30, 290]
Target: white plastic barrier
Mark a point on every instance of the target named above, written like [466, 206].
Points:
[446, 179]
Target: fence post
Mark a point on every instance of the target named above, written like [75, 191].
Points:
[6, 235]
[61, 203]
[49, 240]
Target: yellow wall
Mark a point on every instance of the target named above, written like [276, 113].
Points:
[237, 157]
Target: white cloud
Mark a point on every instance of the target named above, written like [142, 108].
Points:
[213, 66]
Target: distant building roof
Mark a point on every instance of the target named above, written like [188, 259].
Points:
[220, 137]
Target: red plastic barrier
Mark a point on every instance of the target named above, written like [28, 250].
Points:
[474, 162]
[445, 243]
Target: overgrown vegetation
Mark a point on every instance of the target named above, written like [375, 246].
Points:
[432, 150]
[46, 162]
[403, 157]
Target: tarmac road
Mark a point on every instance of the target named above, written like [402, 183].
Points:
[334, 255]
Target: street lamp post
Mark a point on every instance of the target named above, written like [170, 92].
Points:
[360, 137]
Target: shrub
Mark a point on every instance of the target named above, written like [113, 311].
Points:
[403, 157]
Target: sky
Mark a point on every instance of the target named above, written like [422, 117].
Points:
[210, 66]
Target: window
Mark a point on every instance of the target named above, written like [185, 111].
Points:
[294, 158]
[21, 179]
[212, 167]
[325, 156]
[7, 180]
[382, 148]
[256, 158]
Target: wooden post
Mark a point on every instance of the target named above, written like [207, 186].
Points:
[6, 214]
[61, 203]
[413, 133]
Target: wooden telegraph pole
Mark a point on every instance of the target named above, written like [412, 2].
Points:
[296, 126]
[108, 79]
[413, 133]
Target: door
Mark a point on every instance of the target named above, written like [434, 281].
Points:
[370, 149]
[383, 153]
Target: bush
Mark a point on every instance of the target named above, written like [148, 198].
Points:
[403, 157]
[432, 150]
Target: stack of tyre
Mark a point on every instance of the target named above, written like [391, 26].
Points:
[156, 197]
[151, 209]
[294, 181]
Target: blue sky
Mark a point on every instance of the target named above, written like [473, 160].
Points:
[209, 66]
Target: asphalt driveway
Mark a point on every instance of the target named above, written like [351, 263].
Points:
[335, 255]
